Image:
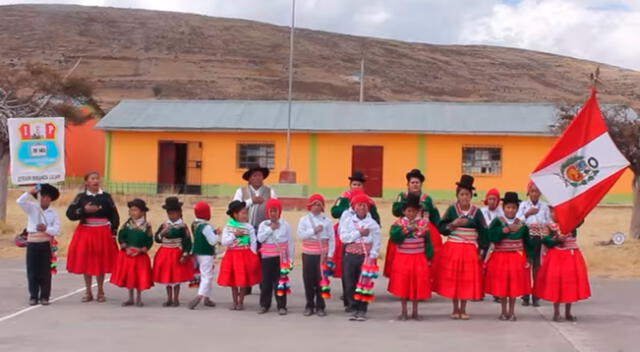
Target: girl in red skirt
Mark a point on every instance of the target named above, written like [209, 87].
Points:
[458, 266]
[93, 249]
[563, 276]
[133, 266]
[410, 278]
[508, 274]
[172, 264]
[240, 267]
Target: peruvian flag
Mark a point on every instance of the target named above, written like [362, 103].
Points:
[581, 167]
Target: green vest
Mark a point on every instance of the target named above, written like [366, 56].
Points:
[200, 244]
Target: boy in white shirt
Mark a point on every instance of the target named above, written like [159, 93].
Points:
[43, 224]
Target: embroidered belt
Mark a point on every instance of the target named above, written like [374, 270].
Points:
[238, 248]
[315, 247]
[269, 250]
[538, 230]
[95, 222]
[464, 235]
[568, 244]
[509, 245]
[171, 242]
[38, 237]
[358, 248]
[412, 246]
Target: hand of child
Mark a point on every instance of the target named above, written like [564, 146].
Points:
[532, 211]
[318, 229]
[183, 259]
[364, 231]
[123, 246]
[217, 231]
[274, 225]
[506, 230]
[41, 228]
[90, 208]
[257, 200]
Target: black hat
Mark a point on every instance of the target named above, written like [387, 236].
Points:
[357, 176]
[247, 174]
[49, 190]
[172, 203]
[138, 203]
[466, 181]
[415, 173]
[413, 201]
[235, 206]
[510, 198]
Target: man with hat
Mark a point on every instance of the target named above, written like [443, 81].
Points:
[255, 194]
[43, 224]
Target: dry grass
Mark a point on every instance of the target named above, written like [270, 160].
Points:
[606, 261]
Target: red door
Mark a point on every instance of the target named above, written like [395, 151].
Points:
[166, 166]
[368, 159]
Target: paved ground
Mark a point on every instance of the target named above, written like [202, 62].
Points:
[610, 321]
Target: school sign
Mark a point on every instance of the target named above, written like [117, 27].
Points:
[37, 150]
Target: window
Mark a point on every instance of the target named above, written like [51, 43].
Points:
[482, 160]
[256, 154]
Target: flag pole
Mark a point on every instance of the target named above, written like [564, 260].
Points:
[289, 97]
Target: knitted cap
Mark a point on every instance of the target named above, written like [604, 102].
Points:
[492, 192]
[315, 198]
[273, 203]
[202, 211]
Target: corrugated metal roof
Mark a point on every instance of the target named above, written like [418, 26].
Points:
[332, 116]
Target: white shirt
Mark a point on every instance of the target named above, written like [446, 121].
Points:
[306, 230]
[542, 217]
[209, 233]
[256, 193]
[280, 235]
[229, 238]
[490, 215]
[349, 231]
[36, 215]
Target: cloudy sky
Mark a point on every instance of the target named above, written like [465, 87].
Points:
[601, 30]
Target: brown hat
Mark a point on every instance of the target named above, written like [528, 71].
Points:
[247, 174]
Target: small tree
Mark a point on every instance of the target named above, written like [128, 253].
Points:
[38, 91]
[624, 128]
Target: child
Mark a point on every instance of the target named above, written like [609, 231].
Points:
[172, 264]
[204, 240]
[410, 277]
[563, 277]
[240, 267]
[277, 249]
[93, 249]
[133, 266]
[43, 224]
[318, 247]
[360, 234]
[508, 274]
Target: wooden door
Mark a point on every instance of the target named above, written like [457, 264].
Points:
[166, 166]
[368, 159]
[194, 167]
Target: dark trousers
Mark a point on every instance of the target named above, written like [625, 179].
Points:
[352, 267]
[345, 298]
[311, 276]
[269, 284]
[39, 269]
[535, 261]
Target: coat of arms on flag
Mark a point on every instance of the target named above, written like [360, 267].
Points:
[581, 167]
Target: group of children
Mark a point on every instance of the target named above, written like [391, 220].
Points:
[508, 252]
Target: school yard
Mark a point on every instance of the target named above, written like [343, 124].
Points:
[607, 322]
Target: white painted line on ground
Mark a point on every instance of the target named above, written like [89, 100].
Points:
[576, 338]
[28, 309]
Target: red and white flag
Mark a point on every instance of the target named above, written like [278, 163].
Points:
[581, 167]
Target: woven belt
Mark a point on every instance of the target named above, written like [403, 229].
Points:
[358, 248]
[315, 247]
[412, 246]
[38, 237]
[96, 222]
[464, 235]
[568, 244]
[238, 248]
[171, 242]
[269, 250]
[538, 230]
[508, 245]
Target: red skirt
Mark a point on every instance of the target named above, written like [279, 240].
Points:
[458, 272]
[436, 242]
[167, 268]
[508, 275]
[132, 272]
[410, 277]
[239, 268]
[389, 257]
[92, 251]
[337, 255]
[563, 277]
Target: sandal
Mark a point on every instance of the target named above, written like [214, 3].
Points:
[209, 303]
[503, 317]
[571, 318]
[558, 319]
[240, 307]
[87, 298]
[402, 317]
[455, 316]
[167, 304]
[417, 317]
[176, 303]
[513, 318]
[464, 316]
[127, 303]
[139, 304]
[234, 307]
[101, 299]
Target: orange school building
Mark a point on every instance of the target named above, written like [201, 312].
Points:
[203, 147]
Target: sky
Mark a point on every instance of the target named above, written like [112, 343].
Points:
[606, 31]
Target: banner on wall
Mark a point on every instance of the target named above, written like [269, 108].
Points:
[37, 150]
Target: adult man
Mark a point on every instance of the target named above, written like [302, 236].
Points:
[255, 194]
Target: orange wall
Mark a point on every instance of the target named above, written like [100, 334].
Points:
[85, 148]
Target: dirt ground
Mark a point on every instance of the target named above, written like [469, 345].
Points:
[604, 261]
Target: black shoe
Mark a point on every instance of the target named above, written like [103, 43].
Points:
[525, 302]
[348, 310]
[282, 311]
[248, 290]
[536, 302]
[307, 312]
[33, 302]
[321, 313]
[194, 303]
[44, 301]
[496, 299]
[263, 310]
